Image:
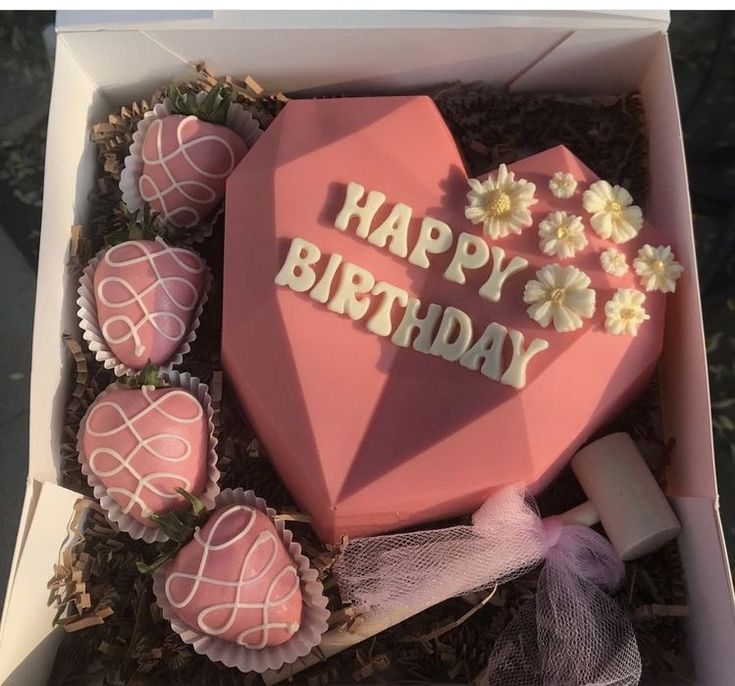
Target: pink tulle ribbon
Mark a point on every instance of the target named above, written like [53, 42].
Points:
[572, 633]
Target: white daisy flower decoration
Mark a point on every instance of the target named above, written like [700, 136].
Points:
[562, 185]
[657, 268]
[614, 215]
[561, 234]
[560, 295]
[501, 204]
[613, 262]
[624, 312]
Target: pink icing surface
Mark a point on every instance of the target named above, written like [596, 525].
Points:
[186, 162]
[142, 444]
[369, 436]
[146, 295]
[235, 580]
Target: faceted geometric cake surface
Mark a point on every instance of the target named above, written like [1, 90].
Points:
[369, 436]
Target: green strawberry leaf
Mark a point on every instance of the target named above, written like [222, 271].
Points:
[149, 568]
[136, 233]
[210, 102]
[140, 225]
[116, 237]
[150, 375]
[197, 506]
[212, 109]
[179, 526]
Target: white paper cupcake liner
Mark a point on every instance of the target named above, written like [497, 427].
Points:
[92, 331]
[314, 614]
[238, 119]
[125, 521]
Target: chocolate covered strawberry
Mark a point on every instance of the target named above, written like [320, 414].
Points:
[147, 296]
[187, 158]
[138, 445]
[236, 581]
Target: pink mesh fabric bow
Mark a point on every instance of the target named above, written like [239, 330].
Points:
[572, 633]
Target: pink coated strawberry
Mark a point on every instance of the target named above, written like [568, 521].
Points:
[147, 296]
[186, 162]
[140, 444]
[235, 580]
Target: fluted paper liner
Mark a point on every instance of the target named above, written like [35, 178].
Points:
[238, 119]
[314, 612]
[92, 330]
[125, 521]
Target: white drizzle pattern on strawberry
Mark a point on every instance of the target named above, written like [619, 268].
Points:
[125, 462]
[162, 161]
[147, 316]
[266, 537]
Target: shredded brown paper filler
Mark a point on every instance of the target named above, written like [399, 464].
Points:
[115, 633]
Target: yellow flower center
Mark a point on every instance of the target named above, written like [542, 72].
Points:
[614, 207]
[627, 313]
[497, 203]
[557, 296]
[658, 266]
[562, 232]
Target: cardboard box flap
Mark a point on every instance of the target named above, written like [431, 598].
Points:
[382, 59]
[593, 62]
[711, 626]
[28, 640]
[326, 57]
[317, 51]
[80, 20]
[69, 176]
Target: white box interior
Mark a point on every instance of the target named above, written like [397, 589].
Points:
[96, 70]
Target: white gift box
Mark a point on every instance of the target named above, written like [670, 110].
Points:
[104, 59]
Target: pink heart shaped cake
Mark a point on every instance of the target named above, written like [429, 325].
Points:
[406, 340]
[235, 580]
[147, 295]
[140, 444]
[186, 162]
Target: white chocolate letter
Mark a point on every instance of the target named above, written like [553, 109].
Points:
[488, 349]
[455, 325]
[353, 281]
[364, 213]
[395, 229]
[381, 323]
[425, 326]
[515, 375]
[471, 252]
[435, 237]
[297, 272]
[491, 289]
[320, 292]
